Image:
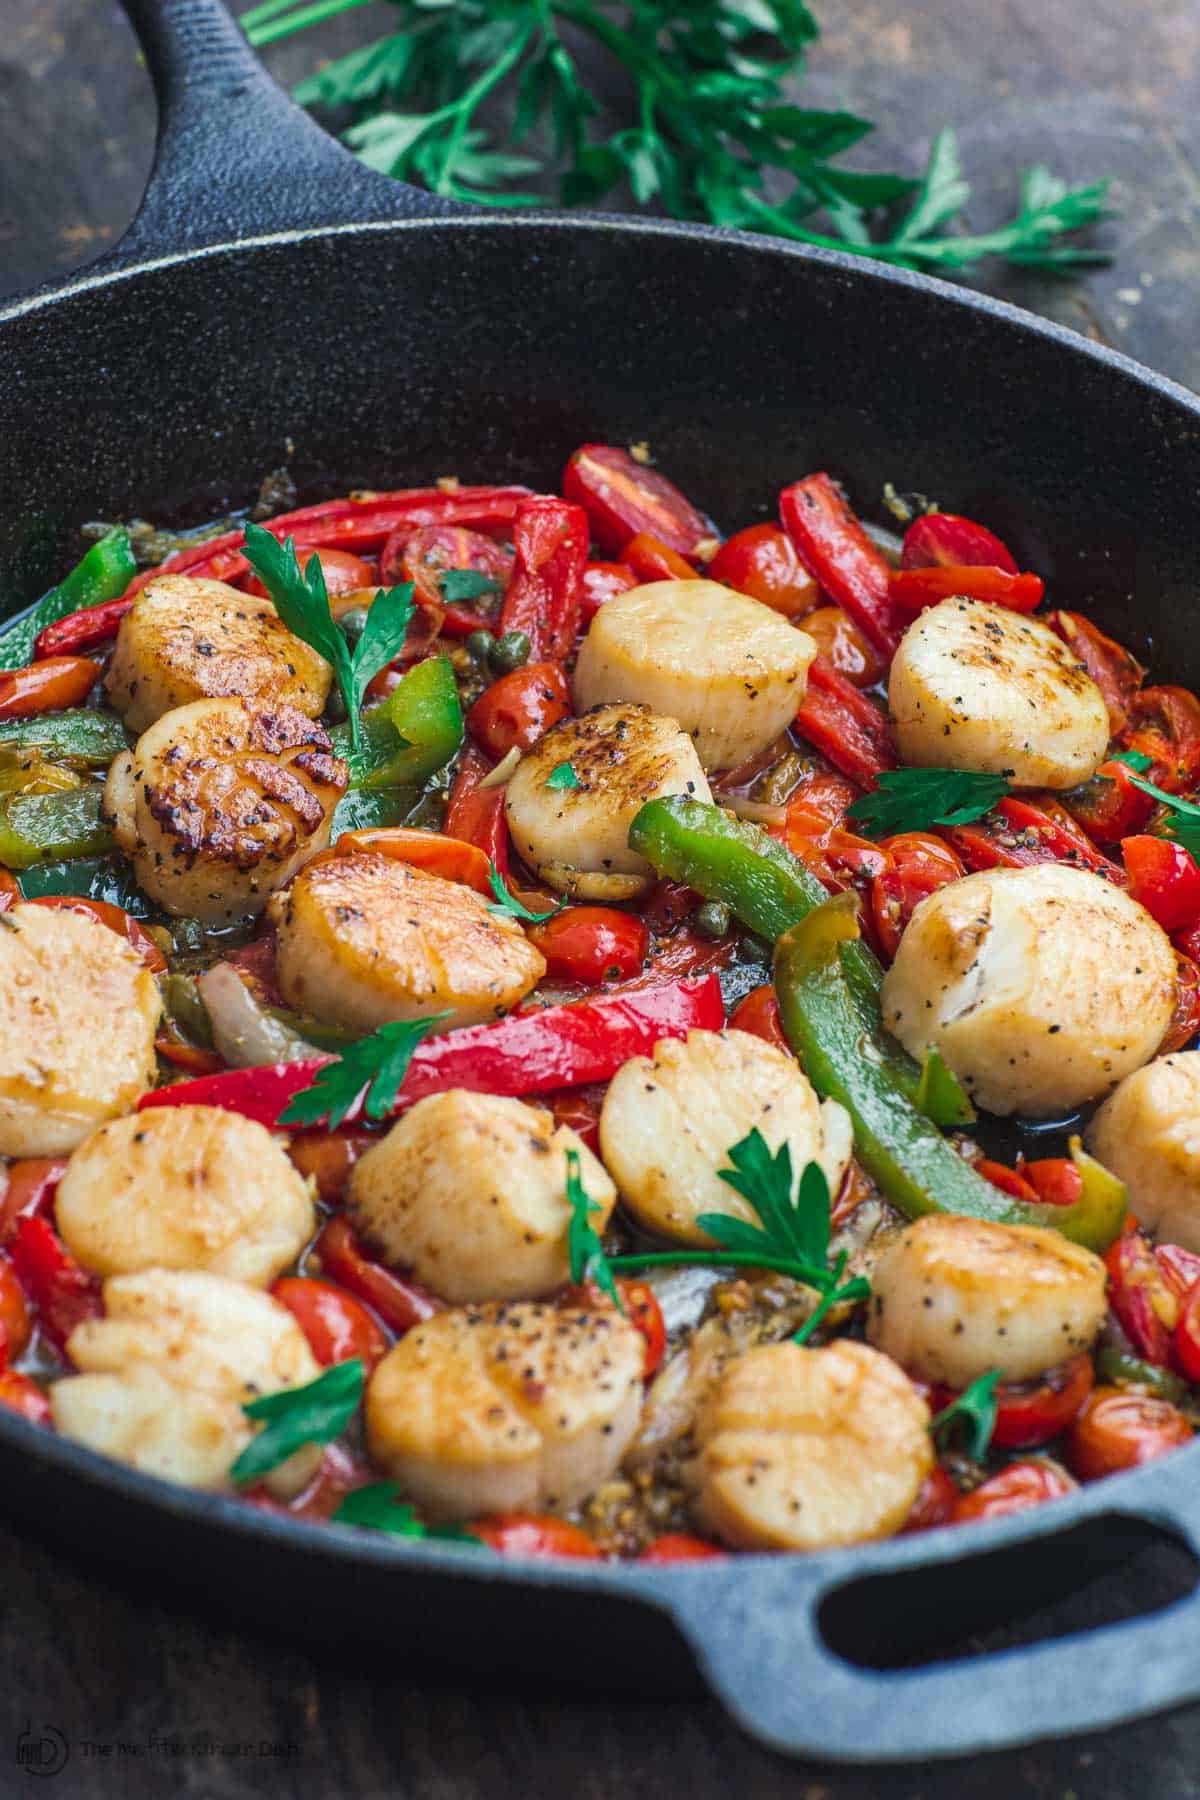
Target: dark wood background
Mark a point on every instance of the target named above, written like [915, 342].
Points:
[1091, 86]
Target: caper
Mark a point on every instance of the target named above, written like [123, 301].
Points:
[713, 919]
[335, 707]
[751, 949]
[510, 652]
[479, 646]
[352, 624]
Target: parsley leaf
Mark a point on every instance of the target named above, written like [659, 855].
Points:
[584, 1249]
[314, 1414]
[508, 903]
[380, 1508]
[1183, 816]
[375, 1067]
[466, 584]
[913, 799]
[563, 776]
[975, 1410]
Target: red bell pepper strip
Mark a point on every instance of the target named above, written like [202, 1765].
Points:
[601, 580]
[63, 1294]
[1115, 672]
[838, 554]
[46, 686]
[475, 814]
[622, 497]
[32, 1184]
[399, 1301]
[528, 1053]
[1017, 834]
[1164, 879]
[912, 590]
[652, 560]
[545, 590]
[945, 539]
[845, 726]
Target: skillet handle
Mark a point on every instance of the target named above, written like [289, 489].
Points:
[755, 1628]
[236, 158]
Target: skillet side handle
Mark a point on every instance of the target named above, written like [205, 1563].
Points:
[236, 158]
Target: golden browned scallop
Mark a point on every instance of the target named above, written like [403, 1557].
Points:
[953, 1298]
[470, 1192]
[501, 1408]
[78, 1014]
[218, 805]
[363, 940]
[188, 639]
[1148, 1133]
[577, 838]
[184, 1187]
[804, 1449]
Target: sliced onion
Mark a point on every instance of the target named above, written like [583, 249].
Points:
[243, 1032]
[761, 811]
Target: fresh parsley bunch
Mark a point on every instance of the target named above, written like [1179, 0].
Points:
[716, 135]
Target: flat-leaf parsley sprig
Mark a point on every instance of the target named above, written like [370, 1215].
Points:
[914, 799]
[302, 602]
[717, 132]
[507, 902]
[379, 1507]
[974, 1412]
[584, 1249]
[371, 1070]
[316, 1413]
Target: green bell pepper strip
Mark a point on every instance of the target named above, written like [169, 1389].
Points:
[770, 890]
[102, 575]
[73, 735]
[1124, 1370]
[412, 735]
[915, 1166]
[91, 877]
[39, 827]
[367, 809]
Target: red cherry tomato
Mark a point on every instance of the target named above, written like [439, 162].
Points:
[10, 890]
[336, 1325]
[762, 562]
[433, 550]
[1115, 672]
[534, 1534]
[399, 1302]
[1119, 1430]
[836, 857]
[1180, 1268]
[642, 1309]
[934, 1504]
[1185, 1020]
[622, 497]
[677, 1547]
[329, 1156]
[601, 580]
[758, 1013]
[519, 708]
[1187, 1335]
[840, 641]
[1141, 1297]
[592, 944]
[115, 918]
[1055, 1179]
[1164, 723]
[16, 1323]
[21, 1395]
[344, 573]
[1109, 807]
[1013, 1490]
[652, 560]
[1009, 1181]
[1164, 879]
[667, 905]
[1034, 1412]
[947, 540]
[826, 792]
[919, 865]
[30, 1192]
[579, 1110]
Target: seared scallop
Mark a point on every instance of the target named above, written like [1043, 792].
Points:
[218, 805]
[1040, 986]
[187, 639]
[804, 1449]
[78, 1014]
[506, 1408]
[577, 837]
[975, 686]
[1148, 1133]
[364, 940]
[163, 1377]
[184, 1187]
[730, 670]
[669, 1121]
[952, 1298]
[470, 1192]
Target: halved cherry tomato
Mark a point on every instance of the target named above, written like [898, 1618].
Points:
[1118, 1430]
[429, 553]
[400, 1302]
[1164, 879]
[343, 571]
[1180, 1268]
[519, 708]
[758, 1013]
[592, 944]
[328, 1157]
[16, 1324]
[1185, 1020]
[336, 1325]
[601, 580]
[935, 1502]
[761, 561]
[116, 919]
[46, 686]
[1006, 1179]
[652, 560]
[1139, 1294]
[841, 643]
[1115, 672]
[476, 814]
[685, 952]
[1032, 1412]
[912, 590]
[946, 540]
[642, 1309]
[21, 1395]
[1019, 833]
[679, 1546]
[579, 1110]
[1109, 807]
[32, 1183]
[448, 857]
[62, 1294]
[825, 791]
[1055, 1180]
[257, 961]
[836, 857]
[919, 864]
[534, 1534]
[10, 890]
[1187, 1335]
[1164, 723]
[1013, 1490]
[341, 1471]
[622, 497]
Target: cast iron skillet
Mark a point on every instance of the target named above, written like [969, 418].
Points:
[272, 301]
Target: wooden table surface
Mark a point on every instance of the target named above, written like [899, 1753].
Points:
[1106, 86]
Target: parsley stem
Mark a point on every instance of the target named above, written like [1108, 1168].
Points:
[478, 90]
[263, 24]
[827, 1300]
